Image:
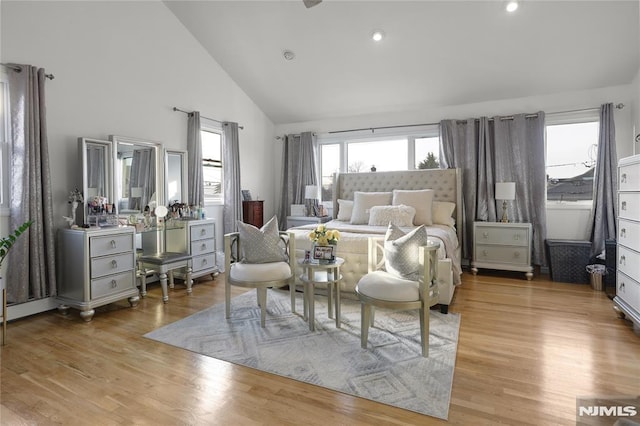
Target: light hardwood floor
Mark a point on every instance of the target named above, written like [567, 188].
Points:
[526, 350]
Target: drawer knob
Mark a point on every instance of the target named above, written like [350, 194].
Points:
[204, 261]
[203, 246]
[485, 234]
[623, 233]
[203, 232]
[516, 254]
[623, 205]
[114, 263]
[484, 253]
[621, 286]
[114, 284]
[623, 178]
[113, 243]
[623, 260]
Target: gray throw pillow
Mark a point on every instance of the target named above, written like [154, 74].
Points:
[401, 251]
[261, 245]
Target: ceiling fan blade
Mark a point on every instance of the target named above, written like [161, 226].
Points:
[311, 3]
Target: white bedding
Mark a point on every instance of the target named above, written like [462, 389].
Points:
[354, 241]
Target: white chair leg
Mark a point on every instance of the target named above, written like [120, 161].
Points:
[365, 320]
[171, 283]
[189, 281]
[424, 330]
[227, 299]
[292, 293]
[163, 284]
[262, 301]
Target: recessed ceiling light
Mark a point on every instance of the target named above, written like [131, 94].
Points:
[377, 35]
[512, 6]
[288, 55]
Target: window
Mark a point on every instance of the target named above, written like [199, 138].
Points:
[396, 148]
[4, 139]
[571, 148]
[211, 139]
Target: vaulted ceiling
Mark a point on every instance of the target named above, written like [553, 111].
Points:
[435, 53]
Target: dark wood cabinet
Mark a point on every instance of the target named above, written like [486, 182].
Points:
[252, 213]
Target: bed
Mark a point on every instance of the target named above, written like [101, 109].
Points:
[353, 245]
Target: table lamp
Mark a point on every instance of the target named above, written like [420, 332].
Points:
[311, 193]
[505, 191]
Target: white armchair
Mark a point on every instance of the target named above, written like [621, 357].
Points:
[260, 276]
[383, 289]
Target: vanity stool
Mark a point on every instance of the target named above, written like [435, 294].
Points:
[164, 264]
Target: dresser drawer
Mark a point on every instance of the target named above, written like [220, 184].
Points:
[203, 246]
[200, 263]
[628, 290]
[629, 205]
[101, 266]
[110, 244]
[513, 255]
[629, 177]
[111, 285]
[629, 234]
[202, 232]
[629, 262]
[487, 234]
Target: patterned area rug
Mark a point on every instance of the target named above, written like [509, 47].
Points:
[391, 371]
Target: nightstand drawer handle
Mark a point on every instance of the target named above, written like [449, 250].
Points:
[485, 235]
[624, 205]
[114, 263]
[623, 260]
[203, 232]
[516, 254]
[623, 178]
[621, 286]
[484, 253]
[623, 233]
[204, 261]
[516, 237]
[113, 243]
[203, 246]
[114, 284]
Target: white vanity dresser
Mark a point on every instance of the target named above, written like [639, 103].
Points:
[198, 238]
[627, 300]
[96, 266]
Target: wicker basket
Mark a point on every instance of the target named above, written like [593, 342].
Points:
[568, 260]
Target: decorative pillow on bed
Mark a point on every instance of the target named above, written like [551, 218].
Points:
[401, 251]
[362, 203]
[442, 211]
[398, 215]
[260, 245]
[345, 208]
[420, 200]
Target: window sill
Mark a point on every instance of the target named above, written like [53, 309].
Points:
[569, 205]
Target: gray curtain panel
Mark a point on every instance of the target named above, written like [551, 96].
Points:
[498, 150]
[605, 184]
[31, 275]
[195, 189]
[299, 170]
[231, 172]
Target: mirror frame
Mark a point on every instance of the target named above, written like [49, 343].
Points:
[157, 148]
[83, 143]
[183, 176]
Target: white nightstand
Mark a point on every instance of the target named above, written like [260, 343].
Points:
[306, 220]
[505, 246]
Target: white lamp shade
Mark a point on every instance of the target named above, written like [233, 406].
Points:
[505, 191]
[311, 192]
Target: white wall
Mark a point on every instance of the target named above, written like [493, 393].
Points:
[119, 69]
[563, 223]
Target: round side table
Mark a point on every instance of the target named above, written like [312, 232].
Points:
[317, 273]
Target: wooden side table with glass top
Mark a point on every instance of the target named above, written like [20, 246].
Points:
[321, 273]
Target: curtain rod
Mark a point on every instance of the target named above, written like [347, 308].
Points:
[18, 68]
[509, 117]
[212, 119]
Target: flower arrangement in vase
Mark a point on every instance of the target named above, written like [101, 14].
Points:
[323, 237]
[75, 199]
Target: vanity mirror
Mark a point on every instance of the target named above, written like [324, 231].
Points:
[138, 175]
[97, 175]
[175, 166]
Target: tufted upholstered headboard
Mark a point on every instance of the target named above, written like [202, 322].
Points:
[446, 184]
